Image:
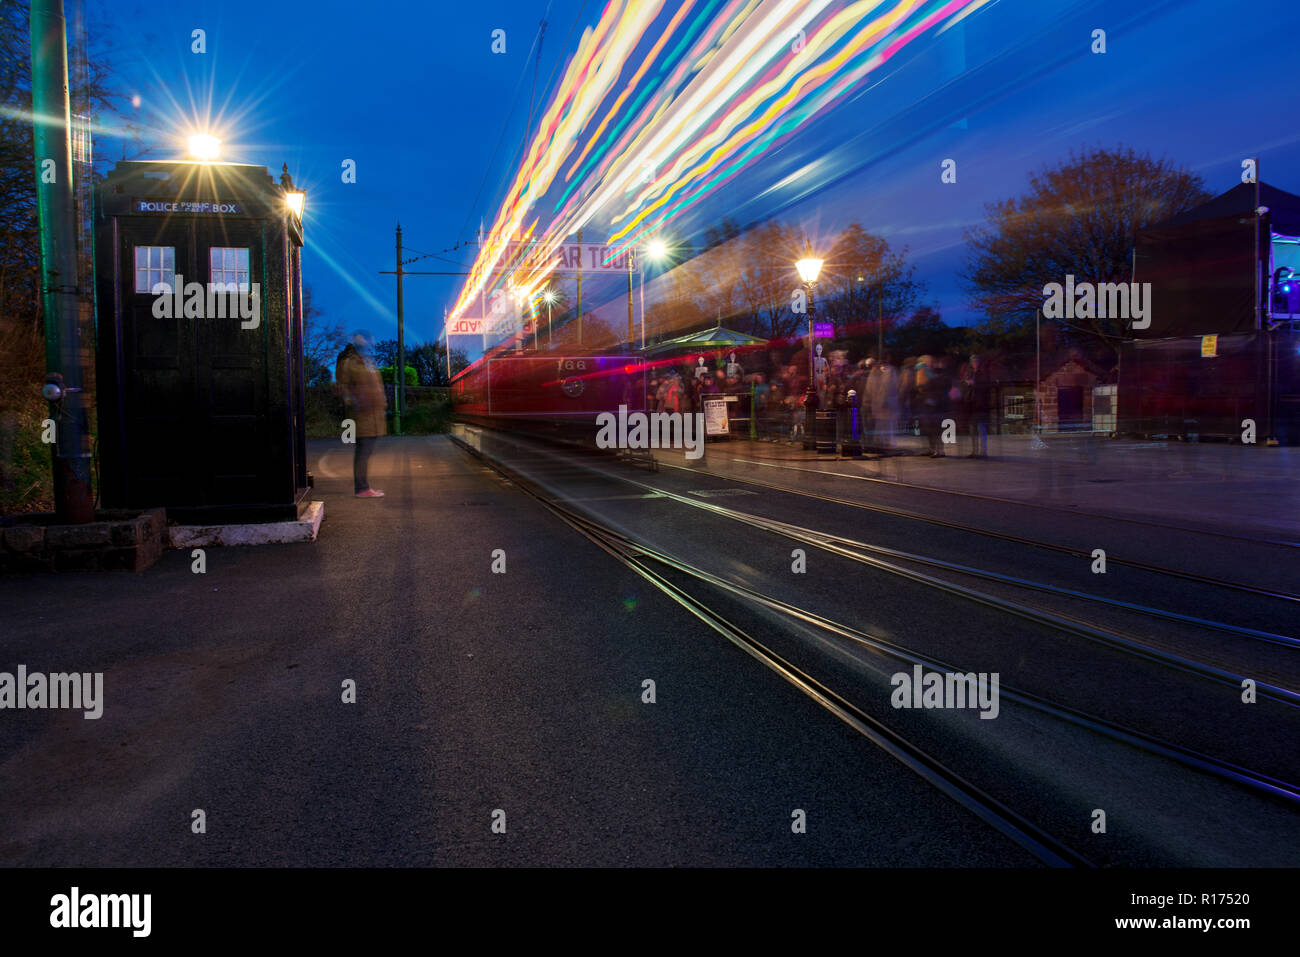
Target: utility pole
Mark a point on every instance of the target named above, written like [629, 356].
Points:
[880, 315]
[580, 252]
[1263, 308]
[399, 374]
[65, 353]
[1038, 370]
[810, 397]
[631, 333]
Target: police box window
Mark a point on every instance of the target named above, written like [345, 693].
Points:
[154, 265]
[229, 268]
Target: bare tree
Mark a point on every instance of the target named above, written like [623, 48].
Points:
[321, 341]
[596, 334]
[716, 272]
[748, 281]
[1078, 218]
[864, 284]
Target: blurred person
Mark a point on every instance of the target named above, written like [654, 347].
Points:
[796, 380]
[977, 400]
[730, 385]
[798, 417]
[858, 379]
[759, 392]
[907, 394]
[692, 386]
[774, 412]
[363, 397]
[882, 389]
[949, 390]
[931, 402]
[954, 390]
[837, 399]
[674, 394]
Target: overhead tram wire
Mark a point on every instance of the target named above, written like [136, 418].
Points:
[549, 82]
[506, 119]
[427, 255]
[523, 142]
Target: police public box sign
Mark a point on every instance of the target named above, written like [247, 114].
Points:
[187, 206]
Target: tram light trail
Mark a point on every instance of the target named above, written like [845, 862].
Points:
[711, 89]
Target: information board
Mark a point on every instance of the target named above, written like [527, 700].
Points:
[715, 415]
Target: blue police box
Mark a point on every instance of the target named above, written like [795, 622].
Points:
[200, 386]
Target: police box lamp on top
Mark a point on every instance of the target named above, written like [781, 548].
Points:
[204, 147]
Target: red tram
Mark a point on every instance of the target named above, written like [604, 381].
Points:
[548, 392]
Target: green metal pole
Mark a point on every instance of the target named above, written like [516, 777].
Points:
[65, 352]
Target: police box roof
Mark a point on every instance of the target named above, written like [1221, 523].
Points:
[189, 187]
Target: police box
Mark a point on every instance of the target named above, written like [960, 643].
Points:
[200, 378]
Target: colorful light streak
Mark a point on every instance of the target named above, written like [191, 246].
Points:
[707, 94]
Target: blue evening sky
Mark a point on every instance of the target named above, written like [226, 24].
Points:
[434, 121]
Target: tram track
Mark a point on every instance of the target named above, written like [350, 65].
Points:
[658, 568]
[1028, 835]
[887, 559]
[892, 511]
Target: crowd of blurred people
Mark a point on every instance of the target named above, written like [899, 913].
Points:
[872, 401]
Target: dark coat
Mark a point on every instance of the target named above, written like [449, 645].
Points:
[363, 392]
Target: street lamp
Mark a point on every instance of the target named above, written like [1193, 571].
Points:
[810, 268]
[549, 296]
[657, 251]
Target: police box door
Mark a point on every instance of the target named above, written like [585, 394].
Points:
[195, 364]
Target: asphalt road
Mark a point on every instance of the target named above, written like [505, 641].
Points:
[476, 693]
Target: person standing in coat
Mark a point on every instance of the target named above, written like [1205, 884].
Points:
[363, 395]
[977, 402]
[931, 401]
[882, 392]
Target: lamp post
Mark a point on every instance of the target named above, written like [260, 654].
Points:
[549, 296]
[809, 268]
[656, 250]
[517, 324]
[631, 341]
[537, 333]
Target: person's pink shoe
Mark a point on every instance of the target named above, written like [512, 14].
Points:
[370, 493]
